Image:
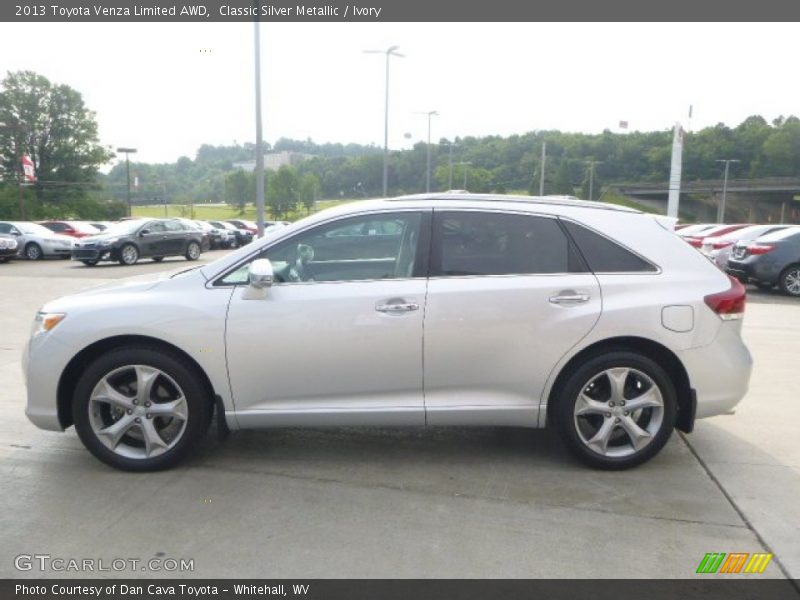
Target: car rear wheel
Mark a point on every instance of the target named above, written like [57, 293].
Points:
[33, 251]
[192, 251]
[158, 258]
[140, 408]
[128, 255]
[616, 410]
[790, 281]
[89, 263]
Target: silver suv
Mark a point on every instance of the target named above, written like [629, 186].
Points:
[449, 309]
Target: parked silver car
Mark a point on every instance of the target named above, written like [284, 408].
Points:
[451, 309]
[36, 241]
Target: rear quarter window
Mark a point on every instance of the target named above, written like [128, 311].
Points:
[604, 255]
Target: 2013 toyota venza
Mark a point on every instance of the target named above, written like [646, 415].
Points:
[449, 309]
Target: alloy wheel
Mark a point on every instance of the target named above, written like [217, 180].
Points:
[791, 281]
[618, 412]
[138, 411]
[129, 255]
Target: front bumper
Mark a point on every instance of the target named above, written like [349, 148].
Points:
[105, 253]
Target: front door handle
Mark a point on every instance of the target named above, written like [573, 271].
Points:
[399, 307]
[569, 297]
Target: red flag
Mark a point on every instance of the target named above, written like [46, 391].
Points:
[29, 173]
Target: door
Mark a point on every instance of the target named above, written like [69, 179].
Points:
[154, 241]
[507, 298]
[337, 339]
[177, 237]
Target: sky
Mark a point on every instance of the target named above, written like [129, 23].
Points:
[165, 89]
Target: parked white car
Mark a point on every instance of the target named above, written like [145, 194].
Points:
[36, 241]
[719, 248]
[450, 309]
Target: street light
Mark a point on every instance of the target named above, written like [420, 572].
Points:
[464, 164]
[430, 113]
[128, 152]
[259, 134]
[391, 51]
[450, 162]
[721, 208]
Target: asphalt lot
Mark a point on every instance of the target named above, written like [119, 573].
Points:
[479, 502]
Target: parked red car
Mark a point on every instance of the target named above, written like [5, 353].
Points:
[697, 239]
[76, 229]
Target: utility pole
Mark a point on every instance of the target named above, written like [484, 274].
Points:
[592, 164]
[389, 52]
[259, 136]
[721, 208]
[128, 152]
[675, 171]
[541, 174]
[450, 174]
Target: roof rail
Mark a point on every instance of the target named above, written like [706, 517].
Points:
[550, 200]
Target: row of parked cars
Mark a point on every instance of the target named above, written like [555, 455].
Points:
[124, 241]
[764, 255]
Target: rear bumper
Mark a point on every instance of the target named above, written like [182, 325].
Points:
[719, 372]
[757, 270]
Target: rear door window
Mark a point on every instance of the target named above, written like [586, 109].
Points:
[494, 243]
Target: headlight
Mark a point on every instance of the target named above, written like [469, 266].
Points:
[46, 321]
[107, 242]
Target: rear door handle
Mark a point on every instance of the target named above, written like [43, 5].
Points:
[399, 307]
[569, 298]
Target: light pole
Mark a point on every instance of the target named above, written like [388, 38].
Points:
[541, 174]
[128, 152]
[430, 113]
[450, 166]
[259, 136]
[592, 164]
[464, 164]
[721, 208]
[391, 51]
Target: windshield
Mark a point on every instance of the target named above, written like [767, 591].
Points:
[123, 227]
[34, 229]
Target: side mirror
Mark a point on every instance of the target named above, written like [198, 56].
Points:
[16, 232]
[260, 274]
[144, 232]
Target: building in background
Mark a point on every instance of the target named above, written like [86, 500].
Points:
[274, 161]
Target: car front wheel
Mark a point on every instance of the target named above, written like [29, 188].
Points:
[33, 251]
[140, 409]
[128, 255]
[617, 410]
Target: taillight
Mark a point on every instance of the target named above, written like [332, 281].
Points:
[720, 245]
[760, 248]
[729, 305]
[693, 241]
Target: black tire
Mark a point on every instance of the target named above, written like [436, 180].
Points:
[4, 260]
[787, 281]
[33, 251]
[193, 251]
[199, 405]
[128, 255]
[89, 263]
[158, 258]
[64, 257]
[565, 397]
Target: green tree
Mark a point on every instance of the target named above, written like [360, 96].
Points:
[310, 190]
[282, 191]
[237, 185]
[563, 181]
[50, 123]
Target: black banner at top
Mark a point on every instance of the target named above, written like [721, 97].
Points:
[367, 11]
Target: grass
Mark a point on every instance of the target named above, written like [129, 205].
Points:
[220, 212]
